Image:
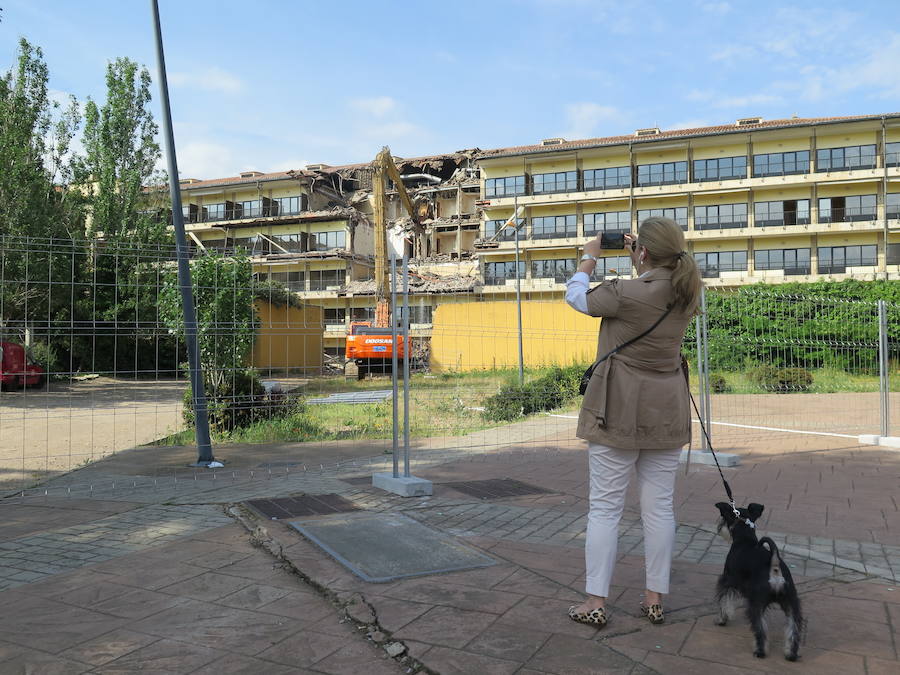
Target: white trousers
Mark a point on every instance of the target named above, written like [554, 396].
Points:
[610, 470]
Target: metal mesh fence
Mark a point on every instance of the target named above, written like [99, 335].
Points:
[94, 366]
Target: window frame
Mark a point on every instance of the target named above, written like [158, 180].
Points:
[569, 182]
[703, 168]
[520, 186]
[844, 166]
[796, 161]
[677, 172]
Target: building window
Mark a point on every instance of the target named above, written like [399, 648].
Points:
[678, 214]
[496, 273]
[781, 163]
[892, 154]
[667, 173]
[419, 314]
[612, 266]
[362, 313]
[550, 227]
[559, 270]
[604, 179]
[792, 260]
[325, 241]
[722, 168]
[286, 206]
[292, 243]
[492, 226]
[836, 259]
[564, 181]
[713, 264]
[248, 209]
[614, 221]
[846, 159]
[322, 280]
[293, 281]
[720, 216]
[847, 209]
[214, 212]
[776, 214]
[893, 254]
[335, 316]
[504, 187]
[892, 205]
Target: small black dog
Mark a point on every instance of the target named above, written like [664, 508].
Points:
[755, 572]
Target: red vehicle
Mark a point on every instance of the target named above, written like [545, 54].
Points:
[371, 348]
[17, 369]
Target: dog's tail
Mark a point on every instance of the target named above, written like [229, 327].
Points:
[776, 578]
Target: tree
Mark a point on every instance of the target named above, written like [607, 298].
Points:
[127, 225]
[226, 327]
[40, 216]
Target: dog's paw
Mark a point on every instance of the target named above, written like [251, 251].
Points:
[721, 622]
[792, 657]
[759, 654]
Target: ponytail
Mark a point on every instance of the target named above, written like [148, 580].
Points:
[664, 241]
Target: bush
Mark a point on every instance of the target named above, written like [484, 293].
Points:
[239, 402]
[550, 391]
[782, 380]
[46, 356]
[718, 383]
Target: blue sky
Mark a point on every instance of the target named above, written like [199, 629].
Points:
[275, 84]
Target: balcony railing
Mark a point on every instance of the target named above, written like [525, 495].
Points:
[851, 215]
[781, 222]
[705, 223]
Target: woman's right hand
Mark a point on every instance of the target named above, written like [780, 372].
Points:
[631, 248]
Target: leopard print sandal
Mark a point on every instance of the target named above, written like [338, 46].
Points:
[596, 617]
[654, 613]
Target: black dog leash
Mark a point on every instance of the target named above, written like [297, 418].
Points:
[709, 443]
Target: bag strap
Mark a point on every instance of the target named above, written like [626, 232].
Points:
[632, 340]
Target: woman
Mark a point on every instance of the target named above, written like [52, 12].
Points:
[636, 407]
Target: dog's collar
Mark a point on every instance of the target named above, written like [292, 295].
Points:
[750, 523]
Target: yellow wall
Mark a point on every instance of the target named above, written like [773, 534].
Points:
[484, 335]
[552, 166]
[500, 170]
[619, 159]
[782, 144]
[716, 151]
[849, 189]
[289, 338]
[648, 156]
[781, 195]
[841, 140]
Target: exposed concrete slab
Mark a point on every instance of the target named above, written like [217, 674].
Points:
[701, 457]
[387, 546]
[405, 486]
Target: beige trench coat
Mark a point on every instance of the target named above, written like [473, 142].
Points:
[637, 399]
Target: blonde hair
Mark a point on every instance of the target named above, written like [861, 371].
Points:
[664, 240]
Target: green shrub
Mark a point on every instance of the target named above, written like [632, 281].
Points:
[782, 380]
[718, 383]
[239, 401]
[556, 388]
[46, 356]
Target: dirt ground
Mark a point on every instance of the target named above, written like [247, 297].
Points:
[63, 425]
[54, 430]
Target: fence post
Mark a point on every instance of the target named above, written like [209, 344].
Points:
[405, 364]
[393, 315]
[707, 408]
[883, 369]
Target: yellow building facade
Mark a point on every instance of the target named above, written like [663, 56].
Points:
[760, 201]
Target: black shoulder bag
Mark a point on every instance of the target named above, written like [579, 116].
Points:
[586, 378]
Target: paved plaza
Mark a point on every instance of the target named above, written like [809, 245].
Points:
[129, 566]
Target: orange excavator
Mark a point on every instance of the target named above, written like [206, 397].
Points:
[371, 347]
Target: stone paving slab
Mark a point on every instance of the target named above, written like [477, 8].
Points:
[32, 558]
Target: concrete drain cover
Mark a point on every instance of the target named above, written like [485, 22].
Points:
[380, 547]
[301, 505]
[496, 488]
